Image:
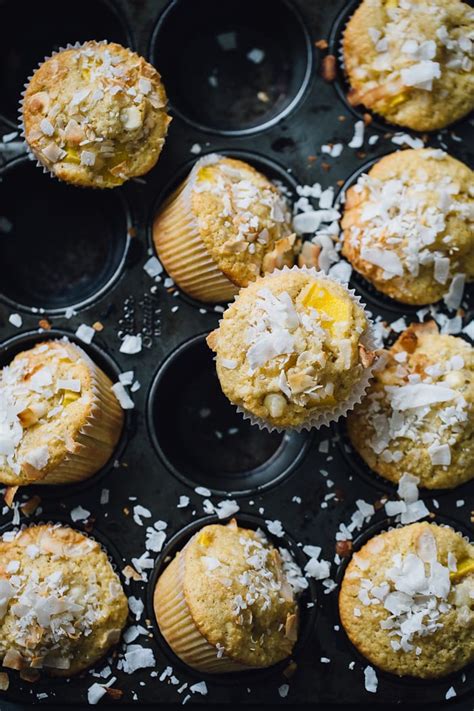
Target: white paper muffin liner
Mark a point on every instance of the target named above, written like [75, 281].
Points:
[328, 415]
[182, 251]
[95, 442]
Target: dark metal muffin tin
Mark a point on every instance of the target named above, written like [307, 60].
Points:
[86, 249]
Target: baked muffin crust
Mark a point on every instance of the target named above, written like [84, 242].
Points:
[408, 225]
[411, 60]
[418, 415]
[52, 399]
[62, 605]
[289, 346]
[406, 601]
[95, 115]
[238, 595]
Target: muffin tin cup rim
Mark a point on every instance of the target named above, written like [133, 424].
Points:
[409, 682]
[293, 105]
[54, 491]
[128, 36]
[116, 561]
[361, 469]
[25, 160]
[288, 471]
[253, 158]
[176, 543]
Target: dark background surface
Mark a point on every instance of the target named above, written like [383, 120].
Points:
[124, 303]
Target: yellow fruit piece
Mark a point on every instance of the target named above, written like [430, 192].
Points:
[465, 567]
[72, 156]
[206, 173]
[205, 538]
[399, 99]
[69, 397]
[392, 3]
[328, 400]
[338, 310]
[85, 74]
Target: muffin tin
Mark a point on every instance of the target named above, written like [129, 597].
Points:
[70, 256]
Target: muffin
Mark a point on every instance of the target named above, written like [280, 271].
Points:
[59, 419]
[293, 350]
[62, 604]
[408, 225]
[224, 603]
[95, 115]
[418, 415]
[224, 226]
[406, 601]
[411, 62]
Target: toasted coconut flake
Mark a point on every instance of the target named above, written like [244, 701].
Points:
[4, 681]
[367, 357]
[130, 572]
[291, 628]
[30, 506]
[13, 660]
[212, 339]
[329, 68]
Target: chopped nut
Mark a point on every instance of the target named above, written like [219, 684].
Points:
[130, 572]
[212, 339]
[9, 495]
[367, 357]
[308, 257]
[367, 119]
[39, 102]
[131, 118]
[321, 44]
[44, 324]
[114, 694]
[98, 326]
[343, 548]
[329, 68]
[275, 404]
[30, 506]
[291, 628]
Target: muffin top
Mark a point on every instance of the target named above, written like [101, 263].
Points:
[411, 60]
[406, 600]
[47, 395]
[418, 415]
[238, 594]
[291, 346]
[408, 224]
[243, 218]
[62, 606]
[95, 115]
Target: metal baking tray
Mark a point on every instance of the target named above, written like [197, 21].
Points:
[71, 256]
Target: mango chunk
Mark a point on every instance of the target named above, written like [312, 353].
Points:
[336, 309]
[399, 99]
[205, 538]
[69, 397]
[72, 156]
[206, 173]
[465, 567]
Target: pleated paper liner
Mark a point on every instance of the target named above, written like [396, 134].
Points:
[181, 249]
[325, 416]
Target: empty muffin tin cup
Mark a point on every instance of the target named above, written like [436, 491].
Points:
[272, 170]
[24, 341]
[306, 600]
[411, 690]
[251, 62]
[203, 440]
[64, 247]
[53, 28]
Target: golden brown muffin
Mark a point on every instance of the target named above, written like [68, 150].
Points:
[224, 226]
[224, 604]
[291, 349]
[95, 115]
[418, 415]
[407, 599]
[62, 606]
[59, 419]
[408, 225]
[411, 62]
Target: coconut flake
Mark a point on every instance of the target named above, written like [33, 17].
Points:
[124, 399]
[131, 344]
[371, 680]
